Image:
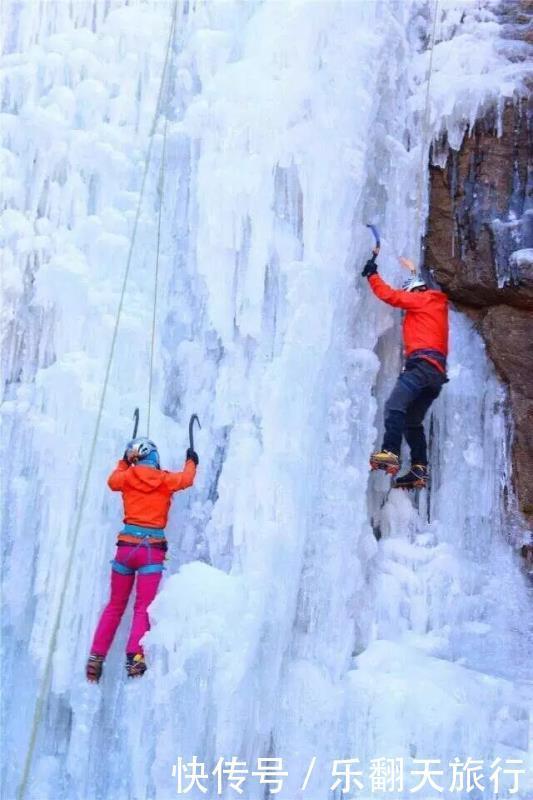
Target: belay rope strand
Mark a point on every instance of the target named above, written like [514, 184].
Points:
[425, 122]
[39, 705]
[425, 129]
[160, 191]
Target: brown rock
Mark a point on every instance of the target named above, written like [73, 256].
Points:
[478, 217]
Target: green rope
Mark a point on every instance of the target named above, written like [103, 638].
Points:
[38, 711]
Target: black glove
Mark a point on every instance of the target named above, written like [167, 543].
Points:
[191, 455]
[371, 268]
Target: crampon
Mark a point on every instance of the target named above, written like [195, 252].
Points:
[416, 478]
[385, 460]
[135, 665]
[93, 669]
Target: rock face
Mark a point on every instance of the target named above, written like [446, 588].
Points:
[480, 244]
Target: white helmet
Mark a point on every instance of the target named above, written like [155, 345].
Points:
[144, 450]
[413, 283]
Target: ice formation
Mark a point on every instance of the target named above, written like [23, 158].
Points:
[285, 628]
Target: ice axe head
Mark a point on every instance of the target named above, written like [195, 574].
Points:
[193, 419]
[377, 246]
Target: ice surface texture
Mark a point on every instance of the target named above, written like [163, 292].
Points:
[284, 628]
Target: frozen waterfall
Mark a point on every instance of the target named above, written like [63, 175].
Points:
[306, 612]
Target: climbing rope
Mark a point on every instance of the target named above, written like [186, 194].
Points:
[160, 190]
[38, 710]
[425, 122]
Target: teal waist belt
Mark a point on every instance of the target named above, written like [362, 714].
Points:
[138, 530]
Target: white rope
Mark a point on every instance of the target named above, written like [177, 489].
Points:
[38, 711]
[161, 183]
[425, 123]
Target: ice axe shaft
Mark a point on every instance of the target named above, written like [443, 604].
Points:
[135, 423]
[193, 419]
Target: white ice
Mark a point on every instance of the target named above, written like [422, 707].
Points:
[284, 626]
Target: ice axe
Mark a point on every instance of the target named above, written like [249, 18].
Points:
[377, 246]
[193, 419]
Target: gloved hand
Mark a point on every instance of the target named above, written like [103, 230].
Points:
[130, 456]
[371, 268]
[192, 455]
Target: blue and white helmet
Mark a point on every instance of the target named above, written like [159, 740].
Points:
[413, 283]
[144, 451]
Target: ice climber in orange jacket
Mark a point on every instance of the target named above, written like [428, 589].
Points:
[141, 546]
[425, 339]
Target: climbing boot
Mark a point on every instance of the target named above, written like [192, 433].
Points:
[94, 667]
[385, 460]
[416, 478]
[135, 665]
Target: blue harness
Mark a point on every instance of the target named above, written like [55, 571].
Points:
[143, 534]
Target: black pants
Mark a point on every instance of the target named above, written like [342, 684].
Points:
[417, 387]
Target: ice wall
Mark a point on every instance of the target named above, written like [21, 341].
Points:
[284, 628]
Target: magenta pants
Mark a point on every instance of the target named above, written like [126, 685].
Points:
[147, 562]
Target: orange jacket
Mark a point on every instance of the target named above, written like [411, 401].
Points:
[425, 324]
[147, 493]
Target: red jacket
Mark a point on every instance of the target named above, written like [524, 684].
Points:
[147, 493]
[425, 324]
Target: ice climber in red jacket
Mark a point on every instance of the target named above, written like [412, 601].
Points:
[425, 340]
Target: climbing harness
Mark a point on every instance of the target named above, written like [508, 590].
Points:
[124, 569]
[137, 536]
[132, 534]
[39, 706]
